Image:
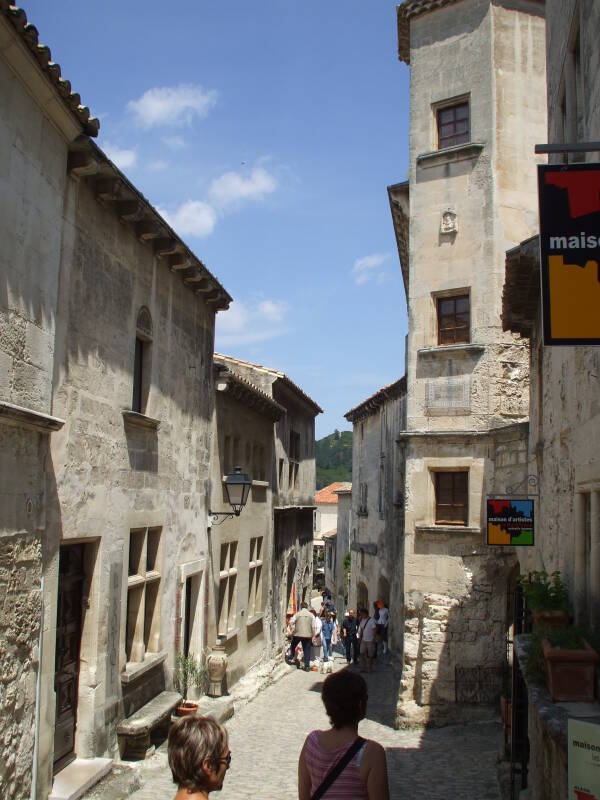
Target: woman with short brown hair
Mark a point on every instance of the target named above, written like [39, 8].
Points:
[199, 756]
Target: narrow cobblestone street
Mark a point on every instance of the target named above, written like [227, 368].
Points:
[267, 734]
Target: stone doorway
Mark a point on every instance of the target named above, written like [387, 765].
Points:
[68, 643]
[362, 596]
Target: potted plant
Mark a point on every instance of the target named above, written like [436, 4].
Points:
[547, 598]
[189, 671]
[570, 664]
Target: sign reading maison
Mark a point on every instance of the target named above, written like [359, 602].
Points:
[510, 522]
[570, 253]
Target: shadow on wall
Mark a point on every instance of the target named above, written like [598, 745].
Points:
[455, 648]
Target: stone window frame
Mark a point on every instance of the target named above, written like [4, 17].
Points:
[255, 579]
[438, 516]
[586, 543]
[142, 361]
[144, 579]
[451, 103]
[196, 570]
[227, 595]
[295, 441]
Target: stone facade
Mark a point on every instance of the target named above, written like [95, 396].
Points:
[291, 473]
[377, 524]
[240, 615]
[564, 429]
[467, 198]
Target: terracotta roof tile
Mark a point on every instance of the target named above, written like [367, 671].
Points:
[328, 493]
[41, 52]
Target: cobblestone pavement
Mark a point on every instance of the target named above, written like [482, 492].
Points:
[266, 736]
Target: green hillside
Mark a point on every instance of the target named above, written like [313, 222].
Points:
[333, 455]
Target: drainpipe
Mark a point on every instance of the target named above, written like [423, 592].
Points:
[38, 693]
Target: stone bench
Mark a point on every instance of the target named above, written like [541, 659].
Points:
[135, 732]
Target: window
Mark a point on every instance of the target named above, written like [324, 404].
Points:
[453, 125]
[454, 319]
[227, 589]
[143, 594]
[294, 457]
[281, 463]
[451, 498]
[255, 577]
[329, 553]
[142, 361]
[362, 498]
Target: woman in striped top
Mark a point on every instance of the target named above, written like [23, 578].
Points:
[344, 695]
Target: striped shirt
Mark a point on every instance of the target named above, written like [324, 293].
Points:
[319, 762]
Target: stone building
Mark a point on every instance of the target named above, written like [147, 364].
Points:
[377, 523]
[476, 111]
[337, 546]
[242, 547]
[564, 428]
[106, 393]
[291, 473]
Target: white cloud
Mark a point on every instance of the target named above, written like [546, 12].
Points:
[174, 142]
[172, 105]
[231, 187]
[157, 166]
[366, 268]
[193, 218]
[249, 323]
[122, 158]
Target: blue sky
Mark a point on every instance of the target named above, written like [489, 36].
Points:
[266, 132]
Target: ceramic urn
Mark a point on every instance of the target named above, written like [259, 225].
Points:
[217, 667]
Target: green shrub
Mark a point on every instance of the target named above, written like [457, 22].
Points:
[545, 592]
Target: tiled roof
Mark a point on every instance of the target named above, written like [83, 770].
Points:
[244, 391]
[328, 493]
[330, 534]
[275, 374]
[373, 403]
[28, 34]
[398, 195]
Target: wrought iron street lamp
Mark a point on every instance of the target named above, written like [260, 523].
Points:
[237, 487]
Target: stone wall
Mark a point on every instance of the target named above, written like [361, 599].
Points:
[292, 564]
[20, 619]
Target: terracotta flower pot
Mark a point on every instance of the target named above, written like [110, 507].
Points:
[570, 673]
[186, 707]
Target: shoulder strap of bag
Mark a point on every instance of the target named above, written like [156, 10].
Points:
[335, 772]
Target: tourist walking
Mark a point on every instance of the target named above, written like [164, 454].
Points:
[349, 631]
[367, 631]
[335, 634]
[382, 626]
[302, 631]
[337, 762]
[317, 625]
[327, 626]
[199, 756]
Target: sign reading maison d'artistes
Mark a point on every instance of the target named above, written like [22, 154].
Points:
[584, 760]
[510, 522]
[570, 253]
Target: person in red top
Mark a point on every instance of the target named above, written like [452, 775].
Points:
[344, 695]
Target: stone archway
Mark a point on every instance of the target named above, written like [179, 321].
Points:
[289, 598]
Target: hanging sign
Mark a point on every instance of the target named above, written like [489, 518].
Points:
[584, 760]
[569, 198]
[510, 522]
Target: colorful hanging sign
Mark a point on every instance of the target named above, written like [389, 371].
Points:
[510, 522]
[569, 199]
[584, 760]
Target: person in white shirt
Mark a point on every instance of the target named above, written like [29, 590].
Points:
[367, 630]
[317, 626]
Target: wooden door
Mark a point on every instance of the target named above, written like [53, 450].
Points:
[68, 640]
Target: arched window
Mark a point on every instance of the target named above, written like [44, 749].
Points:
[142, 361]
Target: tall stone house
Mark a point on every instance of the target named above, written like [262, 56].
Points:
[564, 428]
[477, 109]
[242, 547]
[376, 541]
[112, 415]
[337, 546]
[291, 473]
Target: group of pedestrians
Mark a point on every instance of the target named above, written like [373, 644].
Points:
[336, 762]
[320, 633]
[362, 634]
